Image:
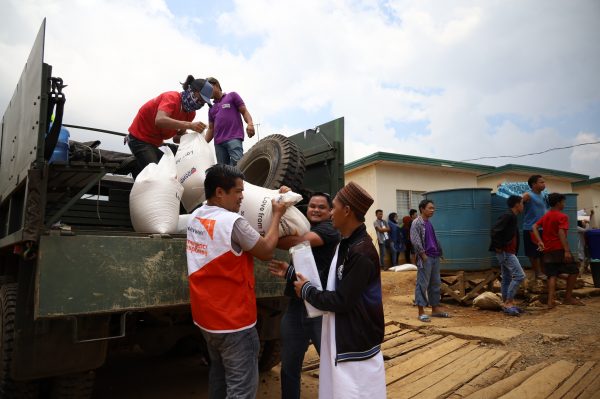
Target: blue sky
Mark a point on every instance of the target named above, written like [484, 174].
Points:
[455, 80]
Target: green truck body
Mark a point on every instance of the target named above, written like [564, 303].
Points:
[97, 282]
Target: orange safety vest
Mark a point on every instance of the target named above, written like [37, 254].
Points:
[221, 280]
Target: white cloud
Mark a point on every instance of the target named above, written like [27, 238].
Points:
[586, 157]
[450, 66]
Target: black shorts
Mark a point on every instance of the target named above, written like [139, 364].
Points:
[531, 248]
[554, 264]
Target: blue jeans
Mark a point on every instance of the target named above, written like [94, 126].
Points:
[381, 254]
[229, 152]
[393, 254]
[296, 331]
[233, 364]
[145, 153]
[429, 282]
[512, 274]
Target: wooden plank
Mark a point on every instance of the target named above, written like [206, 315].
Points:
[392, 343]
[543, 383]
[446, 290]
[391, 329]
[492, 275]
[423, 378]
[401, 359]
[568, 385]
[488, 377]
[311, 366]
[410, 346]
[583, 383]
[593, 390]
[405, 368]
[462, 375]
[461, 283]
[503, 386]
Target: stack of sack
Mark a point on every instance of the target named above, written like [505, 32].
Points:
[159, 189]
[155, 197]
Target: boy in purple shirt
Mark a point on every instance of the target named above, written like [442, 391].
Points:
[428, 252]
[225, 124]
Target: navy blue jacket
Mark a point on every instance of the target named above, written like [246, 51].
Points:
[356, 301]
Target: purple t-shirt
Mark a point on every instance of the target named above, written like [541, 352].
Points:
[431, 248]
[226, 117]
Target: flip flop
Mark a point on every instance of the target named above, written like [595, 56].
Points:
[511, 311]
[424, 318]
[441, 314]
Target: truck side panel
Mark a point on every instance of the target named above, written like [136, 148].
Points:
[87, 274]
[24, 119]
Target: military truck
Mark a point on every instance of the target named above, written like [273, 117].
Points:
[76, 281]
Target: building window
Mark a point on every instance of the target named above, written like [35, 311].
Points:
[407, 200]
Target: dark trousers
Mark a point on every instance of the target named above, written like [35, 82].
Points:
[296, 331]
[146, 153]
[233, 364]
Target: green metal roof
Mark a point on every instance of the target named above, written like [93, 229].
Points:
[410, 159]
[588, 182]
[535, 170]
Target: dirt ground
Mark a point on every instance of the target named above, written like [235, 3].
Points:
[186, 377]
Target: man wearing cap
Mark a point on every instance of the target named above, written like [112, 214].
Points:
[167, 116]
[225, 124]
[352, 332]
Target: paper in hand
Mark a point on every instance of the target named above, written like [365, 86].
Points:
[304, 263]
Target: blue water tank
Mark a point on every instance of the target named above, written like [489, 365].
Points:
[462, 225]
[61, 151]
[571, 211]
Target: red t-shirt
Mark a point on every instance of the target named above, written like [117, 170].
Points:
[511, 246]
[551, 223]
[143, 126]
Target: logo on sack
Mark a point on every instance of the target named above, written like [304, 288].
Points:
[261, 213]
[209, 225]
[191, 152]
[187, 175]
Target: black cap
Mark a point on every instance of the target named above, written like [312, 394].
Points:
[204, 88]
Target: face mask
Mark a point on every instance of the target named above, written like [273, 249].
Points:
[189, 103]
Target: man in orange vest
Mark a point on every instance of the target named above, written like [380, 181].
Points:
[221, 245]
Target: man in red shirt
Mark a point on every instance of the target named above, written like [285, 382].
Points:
[167, 116]
[557, 255]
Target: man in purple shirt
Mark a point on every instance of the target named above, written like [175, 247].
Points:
[428, 252]
[225, 124]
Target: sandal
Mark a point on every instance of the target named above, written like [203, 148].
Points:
[574, 301]
[441, 314]
[424, 318]
[511, 311]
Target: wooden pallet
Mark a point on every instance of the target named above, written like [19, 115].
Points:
[464, 286]
[435, 366]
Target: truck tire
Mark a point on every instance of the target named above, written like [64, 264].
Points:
[270, 354]
[272, 162]
[10, 388]
[73, 386]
